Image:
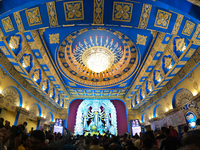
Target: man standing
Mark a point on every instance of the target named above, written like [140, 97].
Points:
[25, 130]
[170, 143]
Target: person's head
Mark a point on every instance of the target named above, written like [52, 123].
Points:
[7, 123]
[167, 131]
[186, 129]
[31, 128]
[192, 142]
[50, 137]
[25, 140]
[21, 127]
[37, 139]
[87, 141]
[95, 141]
[163, 129]
[25, 124]
[1, 120]
[147, 143]
[113, 146]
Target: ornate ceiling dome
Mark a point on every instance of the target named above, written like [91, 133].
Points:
[97, 57]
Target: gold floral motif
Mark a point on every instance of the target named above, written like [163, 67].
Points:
[180, 44]
[74, 10]
[98, 11]
[188, 28]
[51, 92]
[143, 93]
[37, 75]
[7, 24]
[18, 20]
[54, 38]
[53, 20]
[141, 39]
[149, 86]
[44, 85]
[177, 24]
[1, 35]
[14, 42]
[27, 60]
[122, 11]
[168, 62]
[162, 19]
[157, 76]
[33, 16]
[144, 18]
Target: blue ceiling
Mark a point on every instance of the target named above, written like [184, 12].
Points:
[138, 22]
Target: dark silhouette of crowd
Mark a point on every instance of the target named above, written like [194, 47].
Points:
[17, 138]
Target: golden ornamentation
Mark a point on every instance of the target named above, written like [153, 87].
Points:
[149, 86]
[162, 19]
[4, 49]
[27, 60]
[19, 22]
[33, 16]
[123, 84]
[177, 24]
[7, 24]
[196, 36]
[72, 84]
[144, 17]
[44, 85]
[28, 37]
[143, 93]
[51, 92]
[54, 38]
[180, 44]
[74, 10]
[33, 45]
[98, 11]
[11, 95]
[51, 8]
[195, 2]
[190, 52]
[157, 75]
[141, 39]
[188, 28]
[1, 35]
[122, 11]
[36, 75]
[14, 42]
[168, 62]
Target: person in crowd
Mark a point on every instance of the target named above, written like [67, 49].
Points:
[8, 132]
[162, 136]
[58, 145]
[124, 143]
[25, 143]
[37, 140]
[137, 141]
[86, 146]
[69, 145]
[173, 132]
[95, 145]
[31, 131]
[170, 143]
[116, 141]
[113, 146]
[147, 143]
[185, 134]
[192, 142]
[25, 130]
[79, 143]
[1, 123]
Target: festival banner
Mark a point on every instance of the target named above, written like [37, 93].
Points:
[176, 119]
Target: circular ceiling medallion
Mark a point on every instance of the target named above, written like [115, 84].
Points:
[97, 57]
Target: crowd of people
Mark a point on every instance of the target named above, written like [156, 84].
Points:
[17, 138]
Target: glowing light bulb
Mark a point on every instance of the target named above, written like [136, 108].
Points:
[166, 109]
[170, 66]
[27, 108]
[194, 93]
[24, 65]
[0, 91]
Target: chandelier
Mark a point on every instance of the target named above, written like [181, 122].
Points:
[98, 55]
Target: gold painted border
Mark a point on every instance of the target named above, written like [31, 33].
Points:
[56, 18]
[66, 14]
[39, 16]
[94, 20]
[156, 18]
[141, 16]
[130, 11]
[177, 24]
[185, 27]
